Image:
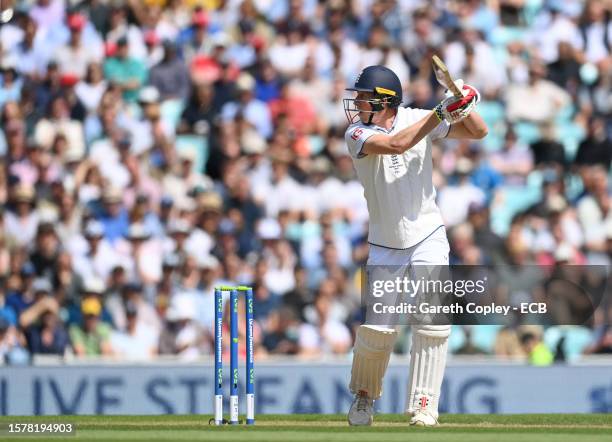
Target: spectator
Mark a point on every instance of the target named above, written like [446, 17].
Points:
[74, 57]
[137, 342]
[21, 222]
[537, 352]
[596, 148]
[508, 345]
[6, 312]
[199, 116]
[455, 200]
[11, 349]
[539, 101]
[469, 348]
[181, 336]
[326, 336]
[248, 107]
[282, 337]
[170, 76]
[30, 54]
[23, 295]
[46, 250]
[45, 332]
[91, 88]
[11, 83]
[514, 161]
[195, 39]
[91, 337]
[129, 73]
[59, 122]
[603, 341]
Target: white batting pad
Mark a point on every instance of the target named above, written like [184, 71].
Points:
[372, 350]
[427, 364]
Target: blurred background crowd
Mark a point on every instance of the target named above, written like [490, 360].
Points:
[153, 149]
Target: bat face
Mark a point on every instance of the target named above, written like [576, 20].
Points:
[444, 77]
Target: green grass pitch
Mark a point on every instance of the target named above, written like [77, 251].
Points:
[332, 428]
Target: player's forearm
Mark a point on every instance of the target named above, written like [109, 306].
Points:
[410, 136]
[475, 126]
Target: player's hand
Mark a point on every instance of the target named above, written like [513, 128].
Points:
[466, 89]
[453, 109]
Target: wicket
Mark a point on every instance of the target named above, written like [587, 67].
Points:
[250, 365]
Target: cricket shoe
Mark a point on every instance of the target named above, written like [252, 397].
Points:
[423, 416]
[362, 410]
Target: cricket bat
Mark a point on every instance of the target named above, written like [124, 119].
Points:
[444, 77]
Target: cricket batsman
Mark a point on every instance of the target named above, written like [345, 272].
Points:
[391, 150]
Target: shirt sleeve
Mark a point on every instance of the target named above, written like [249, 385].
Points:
[355, 137]
[440, 131]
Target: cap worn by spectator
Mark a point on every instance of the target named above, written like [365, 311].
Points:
[252, 142]
[166, 201]
[91, 307]
[171, 261]
[124, 141]
[464, 166]
[227, 227]
[220, 39]
[138, 232]
[142, 199]
[24, 193]
[112, 195]
[151, 38]
[69, 79]
[131, 309]
[208, 262]
[27, 269]
[169, 45]
[245, 82]
[320, 165]
[73, 155]
[41, 285]
[149, 95]
[132, 287]
[281, 156]
[199, 18]
[76, 22]
[187, 155]
[269, 229]
[179, 226]
[556, 203]
[186, 205]
[476, 207]
[9, 64]
[94, 286]
[94, 229]
[210, 201]
[110, 49]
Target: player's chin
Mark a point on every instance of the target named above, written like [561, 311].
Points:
[364, 117]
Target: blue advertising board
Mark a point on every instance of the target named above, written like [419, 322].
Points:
[296, 388]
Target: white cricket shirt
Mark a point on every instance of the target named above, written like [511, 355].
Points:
[398, 188]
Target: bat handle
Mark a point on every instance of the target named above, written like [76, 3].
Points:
[456, 92]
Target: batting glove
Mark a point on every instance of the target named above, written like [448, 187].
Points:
[454, 109]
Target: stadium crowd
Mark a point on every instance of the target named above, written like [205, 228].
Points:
[154, 149]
